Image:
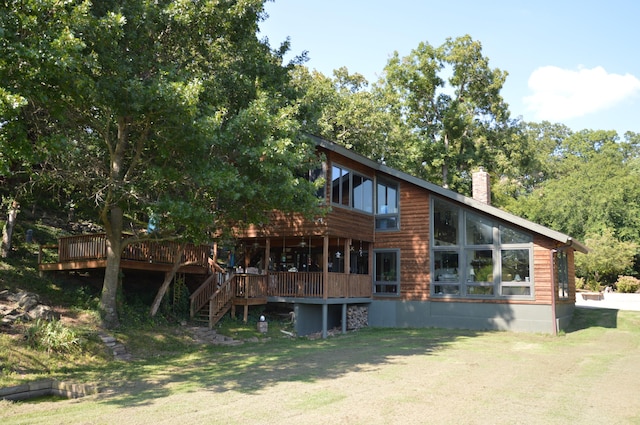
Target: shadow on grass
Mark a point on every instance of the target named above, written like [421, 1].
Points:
[252, 367]
[589, 317]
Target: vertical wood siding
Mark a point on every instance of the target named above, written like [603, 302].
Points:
[413, 241]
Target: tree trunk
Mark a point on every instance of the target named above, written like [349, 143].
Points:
[108, 300]
[7, 229]
[168, 278]
[445, 166]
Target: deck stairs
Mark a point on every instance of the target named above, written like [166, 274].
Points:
[211, 301]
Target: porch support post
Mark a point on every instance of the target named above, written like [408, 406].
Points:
[344, 318]
[347, 255]
[325, 267]
[267, 256]
[325, 314]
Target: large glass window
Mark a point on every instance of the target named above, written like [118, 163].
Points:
[474, 256]
[446, 277]
[387, 272]
[351, 189]
[386, 205]
[479, 230]
[445, 223]
[362, 193]
[515, 272]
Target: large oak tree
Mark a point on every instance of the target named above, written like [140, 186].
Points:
[165, 108]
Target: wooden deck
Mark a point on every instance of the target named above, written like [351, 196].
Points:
[90, 252]
[250, 289]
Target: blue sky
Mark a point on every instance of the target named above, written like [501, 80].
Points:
[574, 62]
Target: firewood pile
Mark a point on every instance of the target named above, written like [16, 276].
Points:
[357, 317]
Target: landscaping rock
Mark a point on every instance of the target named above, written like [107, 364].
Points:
[23, 306]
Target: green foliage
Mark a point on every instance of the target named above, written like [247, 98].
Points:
[599, 172]
[607, 258]
[628, 284]
[449, 98]
[136, 108]
[52, 336]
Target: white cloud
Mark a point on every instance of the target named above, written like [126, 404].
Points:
[560, 94]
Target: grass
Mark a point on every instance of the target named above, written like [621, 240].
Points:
[588, 374]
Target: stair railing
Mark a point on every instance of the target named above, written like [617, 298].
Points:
[201, 296]
[220, 300]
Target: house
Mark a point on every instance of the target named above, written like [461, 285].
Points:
[397, 250]
[414, 254]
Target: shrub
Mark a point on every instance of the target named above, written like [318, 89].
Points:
[52, 336]
[580, 283]
[627, 284]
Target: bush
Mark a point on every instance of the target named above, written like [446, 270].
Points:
[52, 336]
[580, 283]
[627, 284]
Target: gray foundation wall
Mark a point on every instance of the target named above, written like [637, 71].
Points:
[475, 316]
[309, 317]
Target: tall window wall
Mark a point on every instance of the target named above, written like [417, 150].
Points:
[474, 256]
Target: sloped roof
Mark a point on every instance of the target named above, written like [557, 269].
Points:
[454, 196]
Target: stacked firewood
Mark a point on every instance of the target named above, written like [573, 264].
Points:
[357, 317]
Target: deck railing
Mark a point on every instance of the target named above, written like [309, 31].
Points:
[298, 285]
[94, 247]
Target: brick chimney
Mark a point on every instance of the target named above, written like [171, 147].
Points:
[481, 186]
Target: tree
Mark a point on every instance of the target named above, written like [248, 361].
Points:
[607, 258]
[600, 172]
[450, 100]
[343, 110]
[165, 108]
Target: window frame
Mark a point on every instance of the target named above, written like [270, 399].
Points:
[561, 269]
[387, 217]
[465, 246]
[346, 179]
[390, 283]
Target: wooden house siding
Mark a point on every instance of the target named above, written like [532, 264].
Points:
[542, 269]
[413, 241]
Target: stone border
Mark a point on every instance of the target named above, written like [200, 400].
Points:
[46, 388]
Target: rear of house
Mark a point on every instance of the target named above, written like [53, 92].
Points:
[428, 256]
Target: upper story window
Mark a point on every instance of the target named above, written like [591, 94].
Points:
[386, 205]
[474, 256]
[351, 189]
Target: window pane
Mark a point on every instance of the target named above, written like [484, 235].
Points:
[446, 266]
[515, 265]
[317, 175]
[479, 290]
[479, 230]
[385, 223]
[516, 290]
[362, 193]
[387, 198]
[508, 235]
[480, 265]
[340, 186]
[445, 223]
[386, 267]
[386, 272]
[386, 289]
[562, 275]
[443, 289]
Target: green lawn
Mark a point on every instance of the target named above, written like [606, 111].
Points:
[588, 375]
